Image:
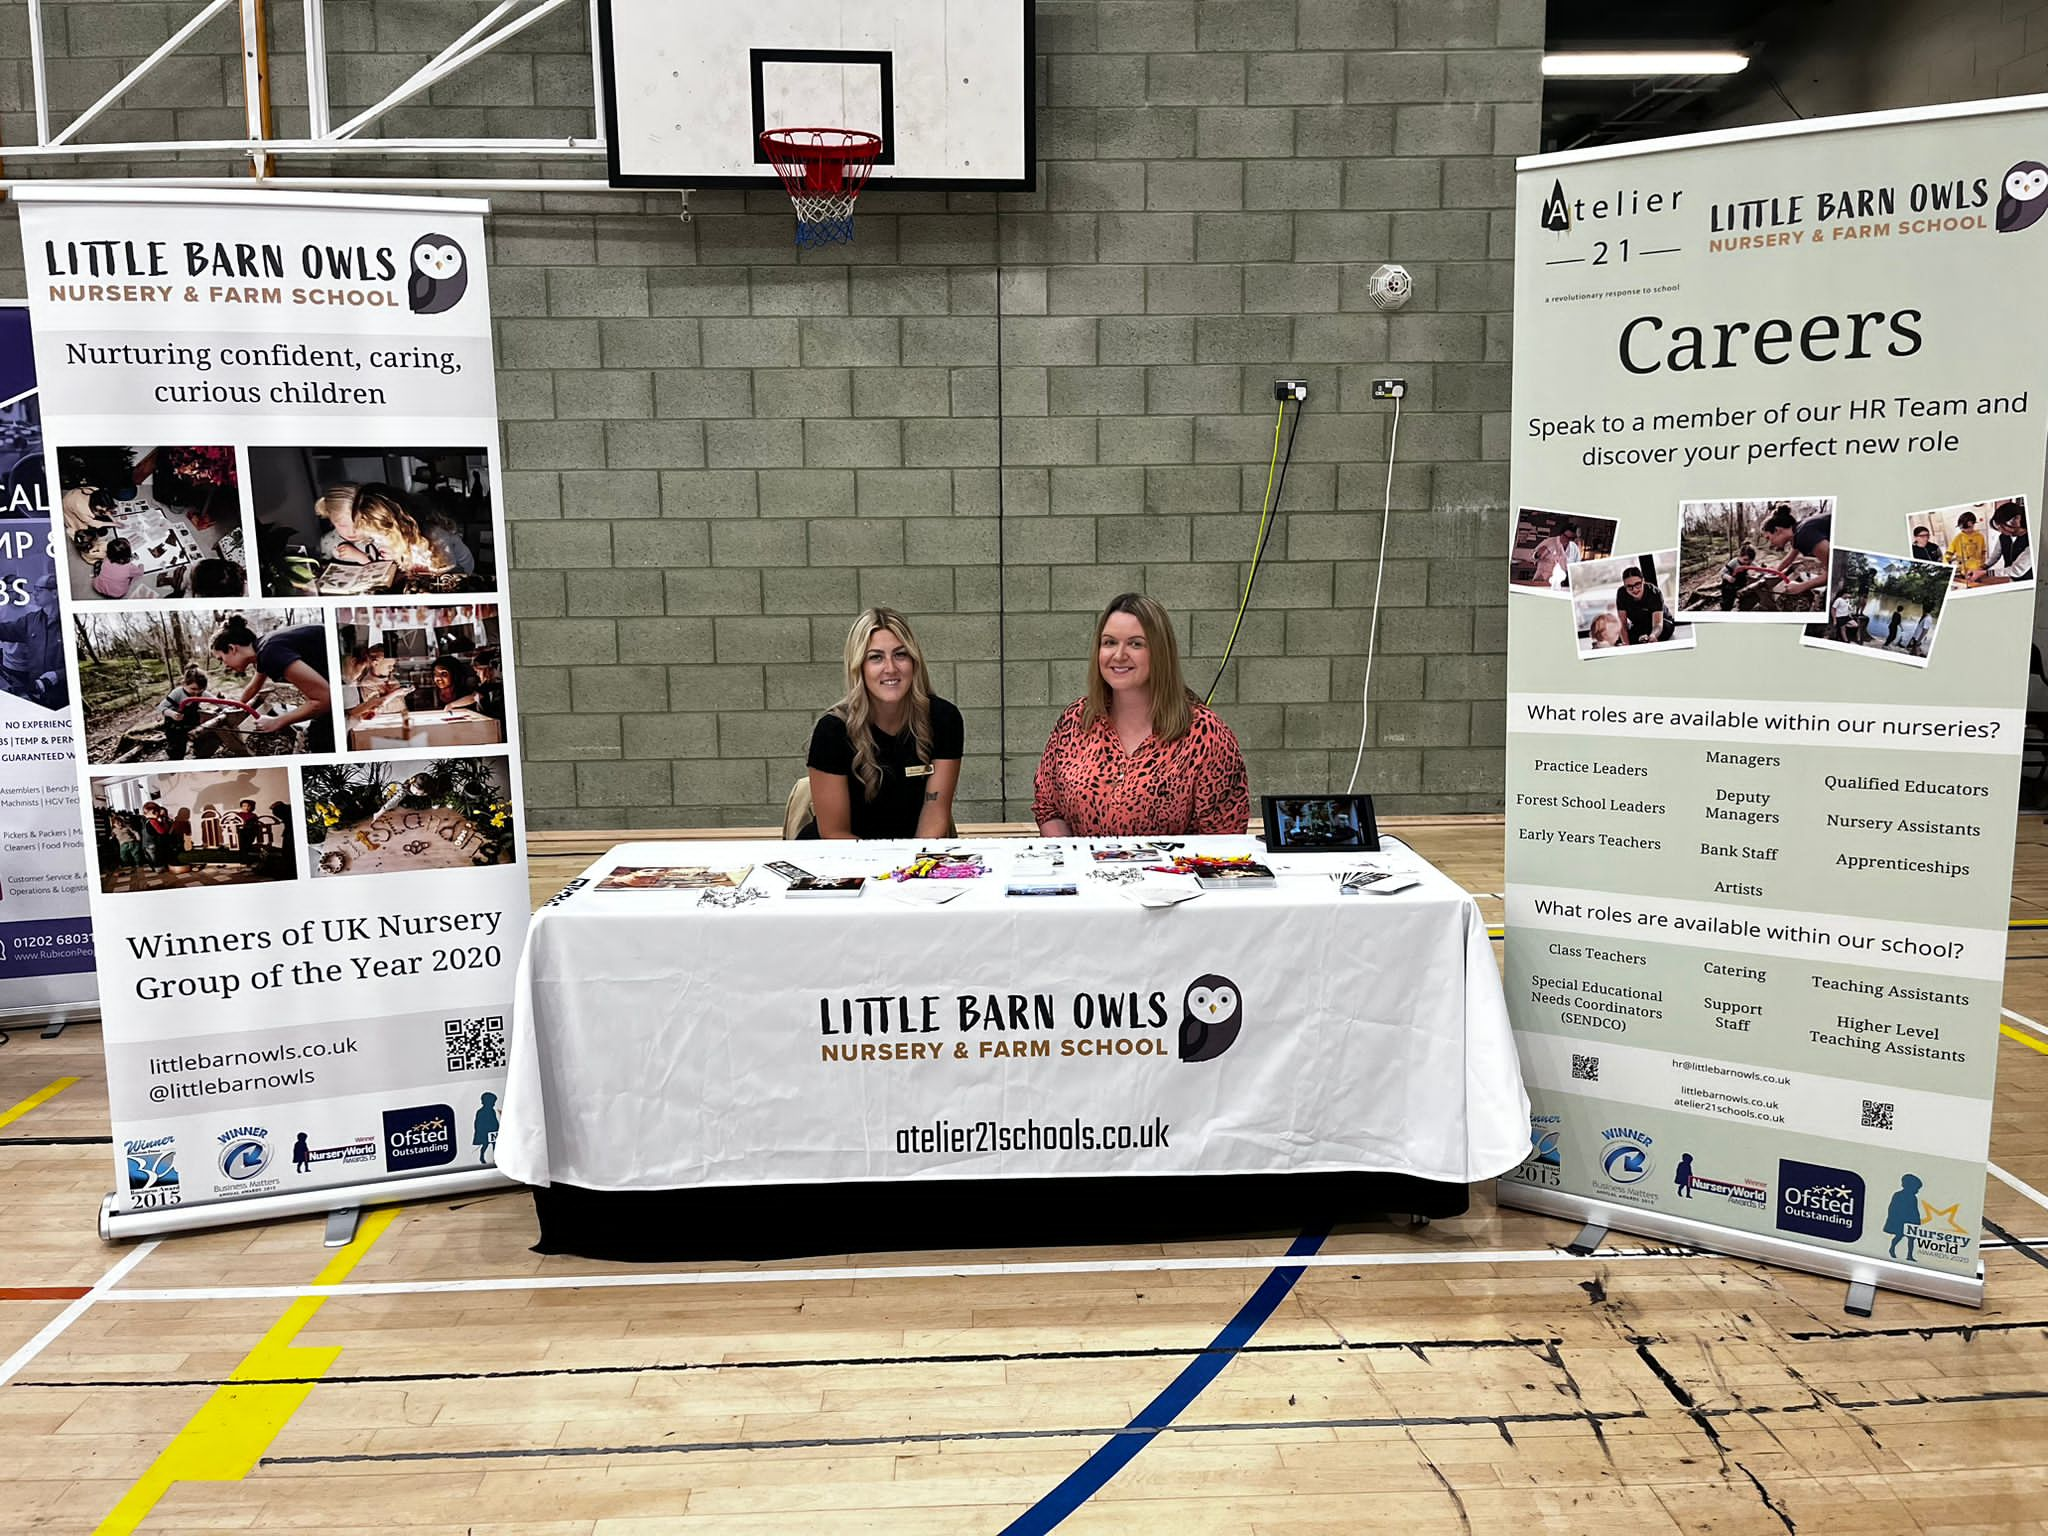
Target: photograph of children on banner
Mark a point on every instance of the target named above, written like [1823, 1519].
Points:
[354, 520]
[1548, 542]
[149, 523]
[163, 683]
[1984, 544]
[1619, 606]
[425, 677]
[1882, 605]
[199, 827]
[396, 815]
[1754, 561]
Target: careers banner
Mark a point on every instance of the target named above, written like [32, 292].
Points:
[272, 427]
[45, 933]
[1779, 405]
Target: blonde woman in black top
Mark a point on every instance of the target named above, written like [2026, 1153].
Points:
[885, 760]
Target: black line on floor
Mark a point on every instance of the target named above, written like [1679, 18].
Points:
[56, 1141]
[1683, 1398]
[1165, 1352]
[2015, 1243]
[1922, 1331]
[1765, 1494]
[1594, 1419]
[855, 1442]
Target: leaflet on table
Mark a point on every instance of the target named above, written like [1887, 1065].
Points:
[273, 427]
[45, 931]
[1778, 409]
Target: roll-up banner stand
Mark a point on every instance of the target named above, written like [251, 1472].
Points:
[46, 971]
[273, 442]
[1779, 404]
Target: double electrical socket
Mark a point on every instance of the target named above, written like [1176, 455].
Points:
[1389, 389]
[1290, 389]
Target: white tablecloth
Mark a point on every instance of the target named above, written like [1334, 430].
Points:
[663, 1042]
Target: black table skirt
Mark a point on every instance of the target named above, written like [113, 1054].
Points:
[784, 1221]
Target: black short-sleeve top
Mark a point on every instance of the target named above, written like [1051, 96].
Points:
[894, 811]
[276, 651]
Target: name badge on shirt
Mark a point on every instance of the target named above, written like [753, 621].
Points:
[917, 771]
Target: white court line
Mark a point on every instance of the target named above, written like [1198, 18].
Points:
[12, 1366]
[2021, 1018]
[2019, 1186]
[890, 1272]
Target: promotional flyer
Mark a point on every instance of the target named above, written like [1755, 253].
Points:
[272, 429]
[1779, 406]
[45, 932]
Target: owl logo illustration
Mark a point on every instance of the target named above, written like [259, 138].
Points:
[440, 275]
[2023, 197]
[1210, 1017]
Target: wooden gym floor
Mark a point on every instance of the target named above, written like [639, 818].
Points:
[1468, 1377]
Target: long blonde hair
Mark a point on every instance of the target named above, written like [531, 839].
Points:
[1172, 713]
[377, 511]
[857, 709]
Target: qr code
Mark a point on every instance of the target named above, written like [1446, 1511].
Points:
[1585, 1069]
[1877, 1116]
[475, 1045]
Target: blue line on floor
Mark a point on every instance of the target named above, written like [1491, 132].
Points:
[1088, 1479]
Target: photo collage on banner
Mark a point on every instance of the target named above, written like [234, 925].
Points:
[273, 439]
[1779, 404]
[46, 962]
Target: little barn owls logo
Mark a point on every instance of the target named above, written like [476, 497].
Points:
[2023, 196]
[439, 277]
[1210, 1016]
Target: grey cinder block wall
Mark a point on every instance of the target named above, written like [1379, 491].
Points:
[991, 411]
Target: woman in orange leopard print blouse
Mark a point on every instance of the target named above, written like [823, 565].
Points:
[1139, 756]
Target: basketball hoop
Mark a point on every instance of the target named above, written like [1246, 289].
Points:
[823, 170]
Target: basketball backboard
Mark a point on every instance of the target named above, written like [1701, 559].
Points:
[690, 84]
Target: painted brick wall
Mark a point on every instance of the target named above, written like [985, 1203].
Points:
[992, 411]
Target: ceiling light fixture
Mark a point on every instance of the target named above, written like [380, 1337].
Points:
[1641, 65]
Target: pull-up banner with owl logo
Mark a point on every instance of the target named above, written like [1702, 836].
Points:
[275, 494]
[1779, 403]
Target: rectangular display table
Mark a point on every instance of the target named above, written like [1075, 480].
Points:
[1020, 1061]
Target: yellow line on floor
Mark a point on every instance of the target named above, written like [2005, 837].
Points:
[233, 1428]
[39, 1097]
[2027, 1040]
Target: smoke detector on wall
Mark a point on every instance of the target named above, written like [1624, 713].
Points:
[1390, 287]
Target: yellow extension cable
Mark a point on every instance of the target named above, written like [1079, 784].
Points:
[1258, 550]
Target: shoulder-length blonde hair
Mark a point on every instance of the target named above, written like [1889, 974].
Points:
[1172, 711]
[857, 709]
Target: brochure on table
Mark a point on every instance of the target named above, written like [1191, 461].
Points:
[1779, 403]
[45, 929]
[273, 437]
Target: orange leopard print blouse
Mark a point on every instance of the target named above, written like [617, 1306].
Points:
[1195, 785]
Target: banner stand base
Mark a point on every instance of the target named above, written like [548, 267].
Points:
[1861, 1300]
[1863, 1273]
[341, 1227]
[1591, 1236]
[118, 1226]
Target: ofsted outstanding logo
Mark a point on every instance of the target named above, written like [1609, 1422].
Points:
[1815, 1200]
[421, 1137]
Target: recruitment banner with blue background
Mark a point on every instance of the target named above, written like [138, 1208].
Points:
[45, 928]
[1779, 406]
